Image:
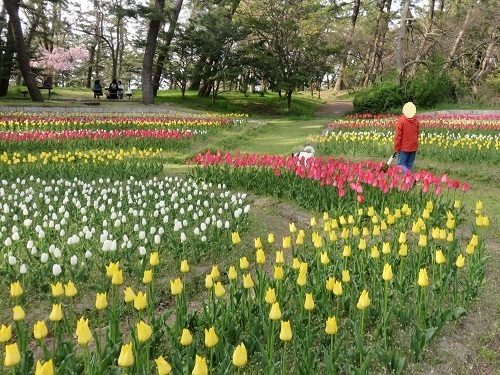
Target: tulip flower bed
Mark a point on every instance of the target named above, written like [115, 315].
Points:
[368, 287]
[468, 139]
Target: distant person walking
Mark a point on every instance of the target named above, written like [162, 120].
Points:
[406, 137]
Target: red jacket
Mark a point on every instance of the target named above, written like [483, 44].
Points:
[407, 132]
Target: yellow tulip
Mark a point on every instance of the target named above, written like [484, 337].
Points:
[5, 333]
[244, 263]
[12, 355]
[111, 268]
[280, 259]
[70, 289]
[460, 263]
[364, 300]
[40, 330]
[101, 301]
[346, 277]
[286, 331]
[211, 338]
[313, 222]
[260, 256]
[299, 241]
[331, 326]
[215, 273]
[148, 277]
[402, 237]
[387, 272]
[56, 314]
[129, 295]
[140, 301]
[292, 227]
[302, 279]
[240, 358]
[422, 242]
[440, 259]
[235, 238]
[423, 280]
[278, 273]
[117, 278]
[126, 357]
[362, 244]
[376, 229]
[337, 288]
[270, 296]
[232, 274]
[18, 313]
[144, 331]
[270, 238]
[403, 250]
[375, 254]
[479, 205]
[219, 289]
[474, 241]
[247, 281]
[176, 287]
[200, 366]
[57, 289]
[309, 302]
[209, 281]
[154, 259]
[355, 231]
[330, 282]
[303, 267]
[186, 337]
[347, 251]
[257, 243]
[46, 369]
[184, 266]
[275, 313]
[287, 242]
[83, 333]
[386, 248]
[16, 289]
[163, 367]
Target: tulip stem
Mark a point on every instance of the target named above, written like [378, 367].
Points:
[384, 326]
[361, 338]
[283, 360]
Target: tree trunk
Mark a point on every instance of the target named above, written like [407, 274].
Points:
[400, 43]
[7, 61]
[289, 99]
[373, 50]
[160, 63]
[484, 66]
[149, 54]
[23, 59]
[345, 55]
[88, 82]
[461, 33]
[426, 44]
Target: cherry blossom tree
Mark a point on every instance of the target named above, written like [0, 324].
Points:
[60, 60]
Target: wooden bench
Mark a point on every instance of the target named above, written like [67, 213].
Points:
[45, 88]
[97, 94]
[24, 92]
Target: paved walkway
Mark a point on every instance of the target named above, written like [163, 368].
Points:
[90, 109]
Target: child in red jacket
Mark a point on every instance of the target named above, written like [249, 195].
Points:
[406, 137]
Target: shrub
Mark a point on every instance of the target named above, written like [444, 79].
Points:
[381, 97]
[430, 88]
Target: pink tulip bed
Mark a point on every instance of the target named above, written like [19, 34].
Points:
[108, 266]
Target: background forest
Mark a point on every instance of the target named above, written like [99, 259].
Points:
[384, 51]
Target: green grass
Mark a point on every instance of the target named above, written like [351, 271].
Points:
[268, 105]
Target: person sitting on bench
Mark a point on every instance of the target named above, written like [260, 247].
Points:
[113, 89]
[97, 88]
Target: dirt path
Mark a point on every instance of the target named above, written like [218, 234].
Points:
[334, 108]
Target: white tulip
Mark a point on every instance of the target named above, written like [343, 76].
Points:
[219, 224]
[227, 225]
[142, 235]
[41, 234]
[88, 254]
[44, 258]
[183, 237]
[197, 231]
[88, 235]
[74, 260]
[56, 269]
[30, 244]
[34, 250]
[12, 260]
[157, 239]
[23, 269]
[8, 241]
[136, 228]
[27, 222]
[57, 253]
[203, 238]
[142, 250]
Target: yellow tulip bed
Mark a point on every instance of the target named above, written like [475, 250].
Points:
[466, 140]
